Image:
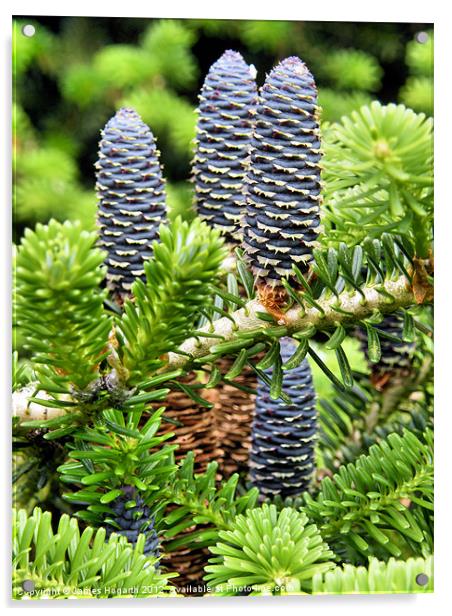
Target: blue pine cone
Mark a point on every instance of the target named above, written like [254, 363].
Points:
[226, 118]
[131, 195]
[132, 518]
[283, 184]
[283, 436]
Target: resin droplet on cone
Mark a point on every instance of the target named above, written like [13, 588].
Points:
[283, 182]
[283, 435]
[226, 119]
[131, 194]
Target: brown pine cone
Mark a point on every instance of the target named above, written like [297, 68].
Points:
[189, 563]
[233, 412]
[197, 433]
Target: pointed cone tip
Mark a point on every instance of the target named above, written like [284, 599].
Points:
[231, 53]
[292, 64]
[128, 111]
[229, 57]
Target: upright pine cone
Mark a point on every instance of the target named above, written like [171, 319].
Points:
[396, 357]
[133, 517]
[283, 193]
[226, 117]
[131, 197]
[283, 436]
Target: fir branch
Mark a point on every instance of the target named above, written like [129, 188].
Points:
[273, 552]
[59, 304]
[379, 176]
[256, 321]
[118, 450]
[177, 286]
[347, 308]
[200, 502]
[69, 564]
[352, 421]
[379, 506]
[393, 576]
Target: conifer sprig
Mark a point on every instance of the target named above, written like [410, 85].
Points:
[338, 297]
[272, 552]
[203, 505]
[177, 287]
[381, 504]
[393, 576]
[71, 564]
[379, 175]
[120, 449]
[59, 305]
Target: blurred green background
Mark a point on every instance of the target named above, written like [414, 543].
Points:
[75, 72]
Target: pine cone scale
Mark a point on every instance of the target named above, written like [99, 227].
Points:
[131, 196]
[226, 118]
[284, 435]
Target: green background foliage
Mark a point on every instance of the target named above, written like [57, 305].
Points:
[75, 72]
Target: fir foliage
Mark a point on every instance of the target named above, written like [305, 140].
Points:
[396, 354]
[379, 176]
[69, 563]
[118, 450]
[203, 505]
[59, 305]
[381, 504]
[159, 107]
[351, 69]
[169, 44]
[364, 271]
[417, 91]
[177, 287]
[334, 103]
[419, 54]
[393, 576]
[350, 422]
[272, 552]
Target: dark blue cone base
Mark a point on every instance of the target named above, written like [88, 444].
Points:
[283, 436]
[133, 521]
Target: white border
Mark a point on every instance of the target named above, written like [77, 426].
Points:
[342, 10]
